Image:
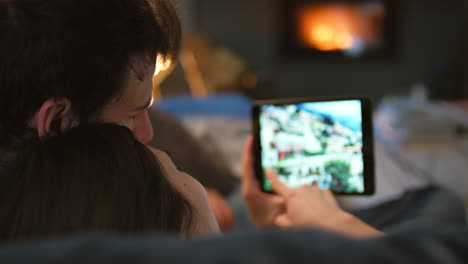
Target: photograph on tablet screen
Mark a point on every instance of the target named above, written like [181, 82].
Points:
[314, 142]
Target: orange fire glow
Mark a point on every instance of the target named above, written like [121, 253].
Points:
[331, 27]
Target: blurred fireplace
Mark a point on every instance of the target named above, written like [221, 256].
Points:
[352, 29]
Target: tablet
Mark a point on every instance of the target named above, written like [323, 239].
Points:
[327, 141]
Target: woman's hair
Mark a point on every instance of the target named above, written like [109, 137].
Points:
[95, 177]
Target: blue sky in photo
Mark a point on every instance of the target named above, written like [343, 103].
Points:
[346, 112]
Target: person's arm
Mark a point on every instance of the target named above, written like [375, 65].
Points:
[296, 208]
[311, 207]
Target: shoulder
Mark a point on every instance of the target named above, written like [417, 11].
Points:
[204, 220]
[193, 191]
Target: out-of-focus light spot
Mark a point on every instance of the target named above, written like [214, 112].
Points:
[344, 40]
[161, 65]
[328, 27]
[322, 33]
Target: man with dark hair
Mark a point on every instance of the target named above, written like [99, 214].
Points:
[64, 62]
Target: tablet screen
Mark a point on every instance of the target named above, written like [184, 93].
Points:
[310, 142]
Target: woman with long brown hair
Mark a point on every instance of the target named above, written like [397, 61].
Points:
[98, 177]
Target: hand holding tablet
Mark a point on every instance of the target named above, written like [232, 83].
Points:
[323, 141]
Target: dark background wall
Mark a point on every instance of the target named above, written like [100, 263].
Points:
[430, 49]
[465, 70]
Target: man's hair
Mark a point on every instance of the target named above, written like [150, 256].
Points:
[81, 50]
[95, 177]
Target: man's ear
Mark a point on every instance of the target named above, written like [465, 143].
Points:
[54, 117]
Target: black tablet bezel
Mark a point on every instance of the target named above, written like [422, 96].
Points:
[367, 137]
